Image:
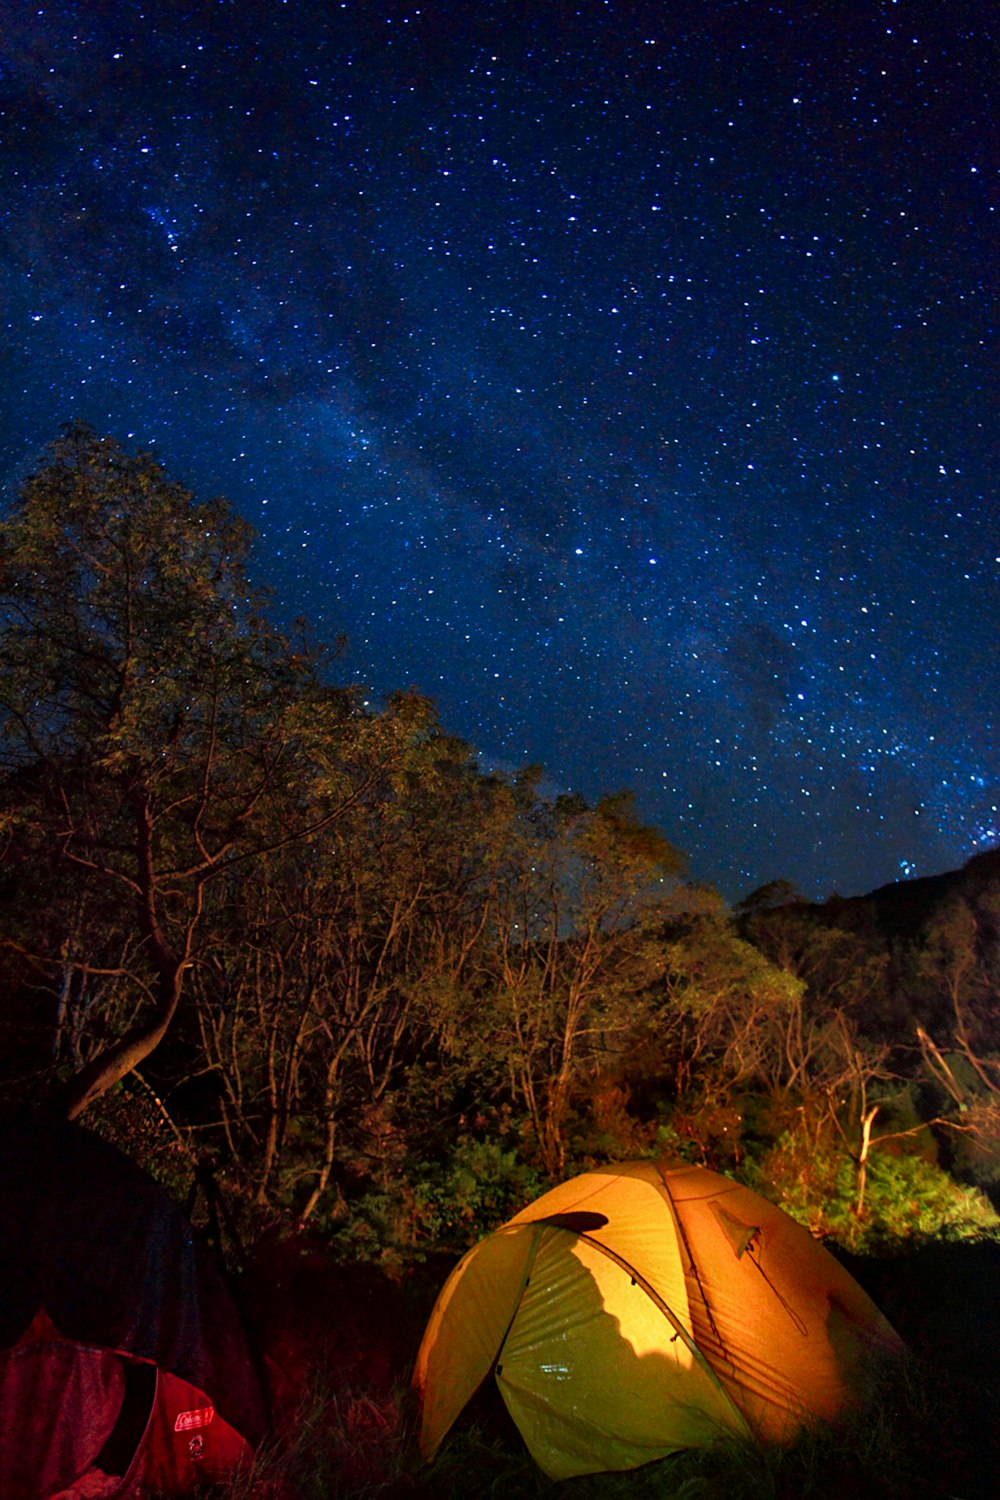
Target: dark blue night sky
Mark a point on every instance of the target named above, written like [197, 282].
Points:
[616, 373]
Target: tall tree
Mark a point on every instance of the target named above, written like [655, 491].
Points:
[576, 913]
[156, 731]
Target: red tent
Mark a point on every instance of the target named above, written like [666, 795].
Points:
[122, 1360]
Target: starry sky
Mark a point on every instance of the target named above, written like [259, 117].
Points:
[616, 373]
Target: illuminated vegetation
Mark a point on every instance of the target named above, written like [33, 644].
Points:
[383, 996]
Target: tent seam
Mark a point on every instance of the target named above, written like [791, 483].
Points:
[525, 1279]
[682, 1232]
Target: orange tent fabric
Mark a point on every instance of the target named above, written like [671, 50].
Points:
[642, 1308]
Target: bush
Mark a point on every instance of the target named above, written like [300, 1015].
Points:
[437, 1206]
[907, 1199]
[477, 1187]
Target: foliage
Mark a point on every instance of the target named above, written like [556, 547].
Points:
[476, 1188]
[132, 1117]
[430, 1207]
[343, 1445]
[574, 950]
[909, 1198]
[388, 993]
[391, 995]
[157, 735]
[739, 1014]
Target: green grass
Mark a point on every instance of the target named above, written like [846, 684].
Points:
[354, 1447]
[927, 1429]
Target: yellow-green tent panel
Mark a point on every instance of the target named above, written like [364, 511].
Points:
[593, 1373]
[467, 1329]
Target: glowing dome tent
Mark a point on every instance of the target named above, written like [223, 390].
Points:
[642, 1308]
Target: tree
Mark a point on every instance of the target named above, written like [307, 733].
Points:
[739, 1016]
[156, 731]
[332, 1004]
[576, 911]
[957, 969]
[770, 897]
[959, 964]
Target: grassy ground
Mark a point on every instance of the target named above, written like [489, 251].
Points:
[928, 1431]
[355, 1447]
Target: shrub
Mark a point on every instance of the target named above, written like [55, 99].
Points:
[907, 1198]
[437, 1206]
[477, 1187]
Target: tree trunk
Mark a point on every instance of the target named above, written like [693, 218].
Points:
[861, 1163]
[105, 1070]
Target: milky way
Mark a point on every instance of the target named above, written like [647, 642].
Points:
[617, 374]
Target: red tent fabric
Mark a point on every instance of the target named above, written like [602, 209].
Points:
[122, 1361]
[71, 1414]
